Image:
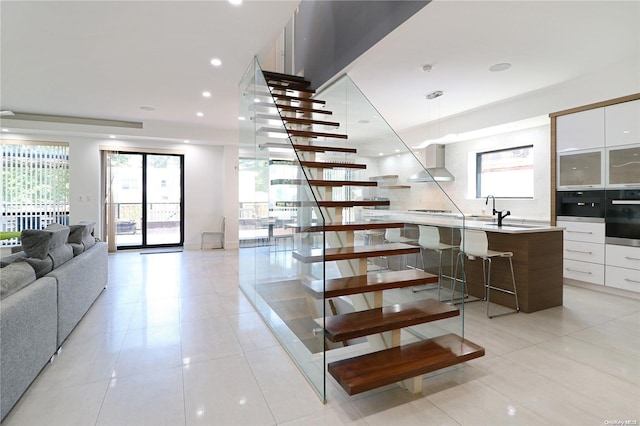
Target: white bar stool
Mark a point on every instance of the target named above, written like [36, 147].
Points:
[394, 235]
[429, 239]
[475, 244]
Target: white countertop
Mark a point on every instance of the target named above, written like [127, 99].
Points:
[452, 220]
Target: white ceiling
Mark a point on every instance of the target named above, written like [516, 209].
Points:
[105, 59]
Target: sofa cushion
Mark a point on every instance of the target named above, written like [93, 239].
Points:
[15, 277]
[41, 266]
[59, 250]
[78, 232]
[80, 237]
[87, 237]
[77, 248]
[35, 243]
[8, 260]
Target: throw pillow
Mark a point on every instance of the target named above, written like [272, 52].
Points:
[35, 243]
[87, 238]
[59, 251]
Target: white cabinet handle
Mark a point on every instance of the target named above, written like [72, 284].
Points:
[581, 272]
[579, 251]
[579, 232]
[632, 281]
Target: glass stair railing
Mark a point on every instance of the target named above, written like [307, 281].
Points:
[356, 295]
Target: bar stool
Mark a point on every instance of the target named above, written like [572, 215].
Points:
[394, 235]
[475, 244]
[429, 239]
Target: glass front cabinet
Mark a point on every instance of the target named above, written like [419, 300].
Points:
[581, 169]
[623, 166]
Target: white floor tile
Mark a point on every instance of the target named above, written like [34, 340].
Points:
[173, 341]
[151, 399]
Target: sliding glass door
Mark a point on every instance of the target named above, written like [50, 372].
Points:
[146, 193]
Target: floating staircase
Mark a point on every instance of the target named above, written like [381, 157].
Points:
[391, 360]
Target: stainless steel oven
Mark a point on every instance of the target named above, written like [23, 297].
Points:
[622, 218]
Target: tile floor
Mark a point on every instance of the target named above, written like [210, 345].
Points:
[172, 341]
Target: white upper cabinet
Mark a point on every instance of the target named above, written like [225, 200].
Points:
[622, 123]
[581, 130]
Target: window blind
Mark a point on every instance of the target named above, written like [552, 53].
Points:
[35, 186]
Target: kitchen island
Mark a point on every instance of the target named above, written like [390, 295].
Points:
[537, 256]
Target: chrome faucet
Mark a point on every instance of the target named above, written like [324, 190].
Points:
[499, 212]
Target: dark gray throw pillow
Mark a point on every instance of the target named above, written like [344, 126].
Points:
[35, 243]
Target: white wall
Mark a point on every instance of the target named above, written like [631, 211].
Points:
[210, 182]
[460, 161]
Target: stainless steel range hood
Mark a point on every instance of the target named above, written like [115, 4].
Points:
[434, 162]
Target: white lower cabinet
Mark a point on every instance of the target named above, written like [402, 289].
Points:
[584, 251]
[584, 271]
[624, 278]
[623, 256]
[623, 267]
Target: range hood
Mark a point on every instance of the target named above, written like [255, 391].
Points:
[434, 162]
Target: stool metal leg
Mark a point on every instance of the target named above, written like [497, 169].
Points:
[489, 287]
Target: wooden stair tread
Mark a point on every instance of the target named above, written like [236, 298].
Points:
[276, 85]
[335, 204]
[303, 109]
[300, 133]
[392, 365]
[285, 78]
[319, 165]
[301, 120]
[278, 96]
[312, 134]
[354, 252]
[297, 120]
[358, 284]
[325, 165]
[309, 148]
[352, 325]
[344, 226]
[316, 182]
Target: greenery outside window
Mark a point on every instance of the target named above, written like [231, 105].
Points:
[505, 173]
[35, 186]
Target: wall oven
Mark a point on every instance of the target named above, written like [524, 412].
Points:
[622, 220]
[581, 204]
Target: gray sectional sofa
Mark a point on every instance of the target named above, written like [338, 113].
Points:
[45, 290]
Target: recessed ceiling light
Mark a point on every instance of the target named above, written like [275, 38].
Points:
[147, 108]
[186, 141]
[206, 94]
[235, 2]
[112, 136]
[216, 62]
[241, 118]
[397, 150]
[500, 67]
[380, 153]
[200, 114]
[5, 130]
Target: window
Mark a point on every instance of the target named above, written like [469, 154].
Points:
[35, 185]
[506, 173]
